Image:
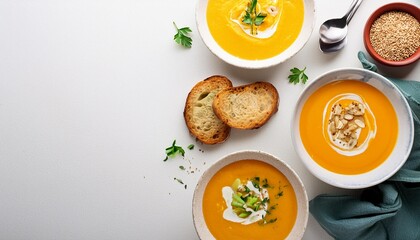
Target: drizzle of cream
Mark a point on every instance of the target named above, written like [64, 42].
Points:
[361, 147]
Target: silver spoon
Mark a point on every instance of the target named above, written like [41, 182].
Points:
[333, 47]
[335, 30]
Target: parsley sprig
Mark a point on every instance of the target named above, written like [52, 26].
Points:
[297, 75]
[253, 18]
[173, 150]
[181, 37]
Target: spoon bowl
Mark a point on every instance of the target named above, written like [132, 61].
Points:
[333, 30]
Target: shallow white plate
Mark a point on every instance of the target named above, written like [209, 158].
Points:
[300, 191]
[298, 44]
[405, 130]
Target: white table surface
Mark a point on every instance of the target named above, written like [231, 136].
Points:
[93, 91]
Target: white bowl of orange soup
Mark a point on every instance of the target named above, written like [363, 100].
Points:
[352, 128]
[255, 34]
[250, 195]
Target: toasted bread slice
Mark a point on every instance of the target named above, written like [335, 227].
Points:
[198, 112]
[246, 107]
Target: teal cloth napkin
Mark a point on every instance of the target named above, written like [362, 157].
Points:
[390, 210]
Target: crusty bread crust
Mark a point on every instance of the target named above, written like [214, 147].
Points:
[246, 107]
[198, 112]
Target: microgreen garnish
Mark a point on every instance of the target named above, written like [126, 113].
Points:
[181, 37]
[297, 75]
[253, 18]
[191, 146]
[173, 150]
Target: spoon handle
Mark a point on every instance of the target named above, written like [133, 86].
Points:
[353, 8]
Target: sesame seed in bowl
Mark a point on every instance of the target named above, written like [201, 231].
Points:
[392, 34]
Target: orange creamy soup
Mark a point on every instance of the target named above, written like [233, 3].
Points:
[240, 178]
[282, 21]
[348, 127]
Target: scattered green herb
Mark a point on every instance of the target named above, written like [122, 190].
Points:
[191, 146]
[271, 221]
[279, 194]
[181, 37]
[173, 150]
[256, 182]
[274, 207]
[182, 167]
[265, 221]
[253, 18]
[265, 183]
[179, 180]
[297, 75]
[265, 200]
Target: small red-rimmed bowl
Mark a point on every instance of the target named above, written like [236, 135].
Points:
[398, 6]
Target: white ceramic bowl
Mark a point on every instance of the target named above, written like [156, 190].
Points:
[298, 187]
[405, 131]
[298, 44]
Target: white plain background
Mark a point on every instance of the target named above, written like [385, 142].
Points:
[92, 92]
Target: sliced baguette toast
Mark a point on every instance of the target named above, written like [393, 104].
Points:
[246, 107]
[198, 112]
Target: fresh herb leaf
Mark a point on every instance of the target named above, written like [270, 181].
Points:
[191, 146]
[259, 19]
[253, 18]
[181, 37]
[173, 150]
[297, 75]
[279, 194]
[182, 167]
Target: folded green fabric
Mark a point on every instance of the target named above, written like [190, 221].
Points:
[390, 210]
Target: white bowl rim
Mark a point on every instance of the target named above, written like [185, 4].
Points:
[300, 191]
[373, 177]
[299, 43]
